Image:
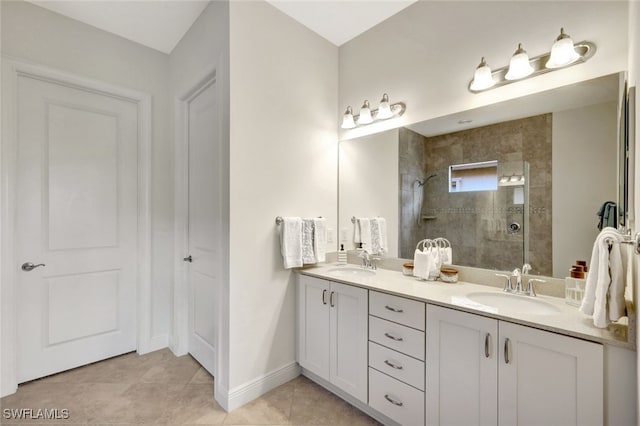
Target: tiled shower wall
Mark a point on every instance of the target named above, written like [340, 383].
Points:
[475, 222]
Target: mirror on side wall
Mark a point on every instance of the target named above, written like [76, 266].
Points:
[540, 167]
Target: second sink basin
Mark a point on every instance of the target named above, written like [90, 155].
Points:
[513, 303]
[351, 272]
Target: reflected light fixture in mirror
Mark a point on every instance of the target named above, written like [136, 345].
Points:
[564, 53]
[384, 111]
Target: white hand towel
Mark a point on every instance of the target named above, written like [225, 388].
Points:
[422, 264]
[320, 238]
[604, 293]
[365, 233]
[357, 238]
[382, 230]
[308, 255]
[434, 272]
[447, 256]
[617, 307]
[291, 242]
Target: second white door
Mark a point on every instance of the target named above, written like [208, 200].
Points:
[205, 223]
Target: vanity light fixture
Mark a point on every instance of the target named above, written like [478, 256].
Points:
[564, 53]
[482, 79]
[519, 66]
[365, 114]
[384, 111]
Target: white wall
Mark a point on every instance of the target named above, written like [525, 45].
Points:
[205, 47]
[369, 184]
[39, 36]
[426, 54]
[585, 143]
[283, 163]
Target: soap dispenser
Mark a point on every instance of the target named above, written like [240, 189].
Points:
[342, 255]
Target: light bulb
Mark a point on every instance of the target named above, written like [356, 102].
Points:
[365, 114]
[482, 78]
[519, 66]
[347, 119]
[562, 53]
[384, 109]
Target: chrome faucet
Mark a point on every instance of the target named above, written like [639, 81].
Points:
[366, 259]
[518, 276]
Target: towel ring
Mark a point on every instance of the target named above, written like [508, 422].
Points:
[424, 243]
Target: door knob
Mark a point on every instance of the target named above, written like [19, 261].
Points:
[28, 266]
[188, 259]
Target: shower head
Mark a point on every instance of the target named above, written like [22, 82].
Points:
[425, 180]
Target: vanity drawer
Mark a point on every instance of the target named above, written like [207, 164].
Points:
[396, 400]
[397, 309]
[398, 337]
[395, 364]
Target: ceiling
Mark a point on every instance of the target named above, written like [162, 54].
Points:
[160, 24]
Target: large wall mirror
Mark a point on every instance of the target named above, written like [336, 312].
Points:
[517, 182]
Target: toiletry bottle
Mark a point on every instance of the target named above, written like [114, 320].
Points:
[342, 255]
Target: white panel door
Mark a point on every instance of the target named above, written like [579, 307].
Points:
[314, 339]
[205, 224]
[76, 213]
[462, 368]
[349, 345]
[549, 379]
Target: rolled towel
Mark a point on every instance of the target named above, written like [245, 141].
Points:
[423, 263]
[320, 239]
[291, 242]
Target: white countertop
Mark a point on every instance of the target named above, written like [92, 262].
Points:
[568, 321]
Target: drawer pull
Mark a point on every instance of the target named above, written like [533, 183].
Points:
[392, 309]
[393, 401]
[392, 337]
[331, 299]
[324, 293]
[392, 365]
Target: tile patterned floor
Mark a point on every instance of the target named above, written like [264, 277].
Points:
[162, 389]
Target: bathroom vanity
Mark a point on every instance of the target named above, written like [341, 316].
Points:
[413, 352]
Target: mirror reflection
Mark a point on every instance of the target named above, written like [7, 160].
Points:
[511, 183]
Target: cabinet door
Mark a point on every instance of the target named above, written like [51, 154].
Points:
[349, 307]
[313, 325]
[548, 379]
[461, 368]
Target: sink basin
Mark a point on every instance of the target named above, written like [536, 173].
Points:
[351, 272]
[505, 302]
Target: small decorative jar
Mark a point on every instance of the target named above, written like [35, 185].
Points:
[407, 269]
[448, 275]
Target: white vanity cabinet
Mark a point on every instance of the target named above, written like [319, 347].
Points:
[484, 371]
[332, 333]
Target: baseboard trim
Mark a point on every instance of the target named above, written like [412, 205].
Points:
[249, 391]
[154, 343]
[350, 399]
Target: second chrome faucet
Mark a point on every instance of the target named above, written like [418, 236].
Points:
[517, 274]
